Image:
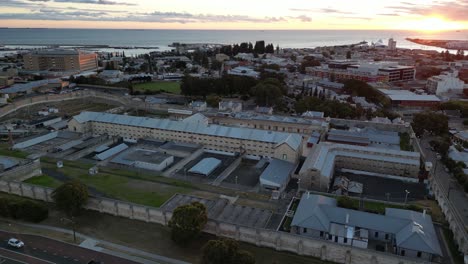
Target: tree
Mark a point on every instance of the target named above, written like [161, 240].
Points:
[70, 197]
[268, 92]
[434, 123]
[187, 222]
[213, 100]
[259, 47]
[345, 202]
[225, 251]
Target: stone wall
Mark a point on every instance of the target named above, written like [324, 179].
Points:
[281, 241]
[22, 172]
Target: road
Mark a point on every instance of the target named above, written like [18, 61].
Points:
[454, 191]
[41, 250]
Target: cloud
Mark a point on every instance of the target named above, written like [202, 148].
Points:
[321, 10]
[156, 17]
[96, 2]
[453, 10]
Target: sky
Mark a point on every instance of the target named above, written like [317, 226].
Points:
[424, 15]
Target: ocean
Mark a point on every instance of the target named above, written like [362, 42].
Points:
[11, 37]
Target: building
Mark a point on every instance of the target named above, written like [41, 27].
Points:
[384, 71]
[6, 81]
[253, 142]
[230, 106]
[392, 44]
[289, 124]
[61, 60]
[326, 157]
[365, 137]
[199, 106]
[222, 57]
[446, 83]
[401, 232]
[408, 99]
[276, 175]
[144, 159]
[205, 167]
[244, 71]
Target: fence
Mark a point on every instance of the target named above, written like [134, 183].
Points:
[282, 241]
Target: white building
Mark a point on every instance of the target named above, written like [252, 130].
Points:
[446, 83]
[244, 71]
[230, 106]
[392, 44]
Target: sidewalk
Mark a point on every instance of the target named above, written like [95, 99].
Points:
[111, 248]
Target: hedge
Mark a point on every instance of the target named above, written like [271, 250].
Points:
[23, 209]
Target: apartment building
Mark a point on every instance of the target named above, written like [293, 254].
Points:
[446, 83]
[326, 157]
[386, 71]
[252, 142]
[61, 60]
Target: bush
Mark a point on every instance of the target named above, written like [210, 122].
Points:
[346, 202]
[23, 209]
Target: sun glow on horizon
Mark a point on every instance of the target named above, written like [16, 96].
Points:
[432, 24]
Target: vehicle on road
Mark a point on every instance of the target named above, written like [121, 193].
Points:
[13, 242]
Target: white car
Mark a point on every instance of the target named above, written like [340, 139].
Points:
[13, 242]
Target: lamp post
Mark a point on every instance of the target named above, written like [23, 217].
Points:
[406, 196]
[73, 222]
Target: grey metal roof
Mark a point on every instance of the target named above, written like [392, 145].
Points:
[276, 173]
[8, 162]
[278, 138]
[130, 156]
[205, 166]
[35, 140]
[111, 152]
[24, 87]
[412, 230]
[69, 145]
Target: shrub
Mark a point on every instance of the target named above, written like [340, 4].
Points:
[346, 202]
[23, 209]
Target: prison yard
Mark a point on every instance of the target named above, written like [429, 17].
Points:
[245, 177]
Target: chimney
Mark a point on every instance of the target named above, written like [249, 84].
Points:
[347, 218]
[424, 213]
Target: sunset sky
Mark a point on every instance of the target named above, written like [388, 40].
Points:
[240, 14]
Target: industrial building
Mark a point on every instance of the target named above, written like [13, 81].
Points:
[144, 159]
[61, 60]
[276, 175]
[410, 100]
[252, 142]
[326, 157]
[401, 232]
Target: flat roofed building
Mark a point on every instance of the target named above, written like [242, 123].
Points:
[206, 166]
[260, 143]
[60, 60]
[111, 152]
[319, 166]
[408, 99]
[276, 175]
[145, 159]
[409, 233]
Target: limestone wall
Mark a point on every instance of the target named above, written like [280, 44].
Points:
[261, 237]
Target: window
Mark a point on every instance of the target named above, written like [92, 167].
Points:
[376, 234]
[305, 230]
[329, 237]
[285, 157]
[419, 254]
[345, 240]
[336, 239]
[321, 233]
[386, 236]
[402, 252]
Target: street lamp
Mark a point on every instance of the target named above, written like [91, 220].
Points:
[406, 196]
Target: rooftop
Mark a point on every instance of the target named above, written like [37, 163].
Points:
[278, 138]
[205, 166]
[412, 230]
[277, 173]
[405, 95]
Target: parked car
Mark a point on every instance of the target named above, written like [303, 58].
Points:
[13, 242]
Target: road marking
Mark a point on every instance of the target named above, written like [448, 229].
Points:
[29, 256]
[5, 258]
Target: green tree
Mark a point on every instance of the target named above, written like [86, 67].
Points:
[225, 251]
[268, 92]
[187, 222]
[434, 123]
[345, 202]
[70, 197]
[213, 100]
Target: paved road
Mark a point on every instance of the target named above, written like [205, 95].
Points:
[41, 250]
[455, 192]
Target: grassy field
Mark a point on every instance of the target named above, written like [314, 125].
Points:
[4, 151]
[170, 87]
[44, 180]
[119, 186]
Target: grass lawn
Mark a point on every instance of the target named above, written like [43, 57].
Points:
[170, 87]
[44, 180]
[122, 187]
[4, 151]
